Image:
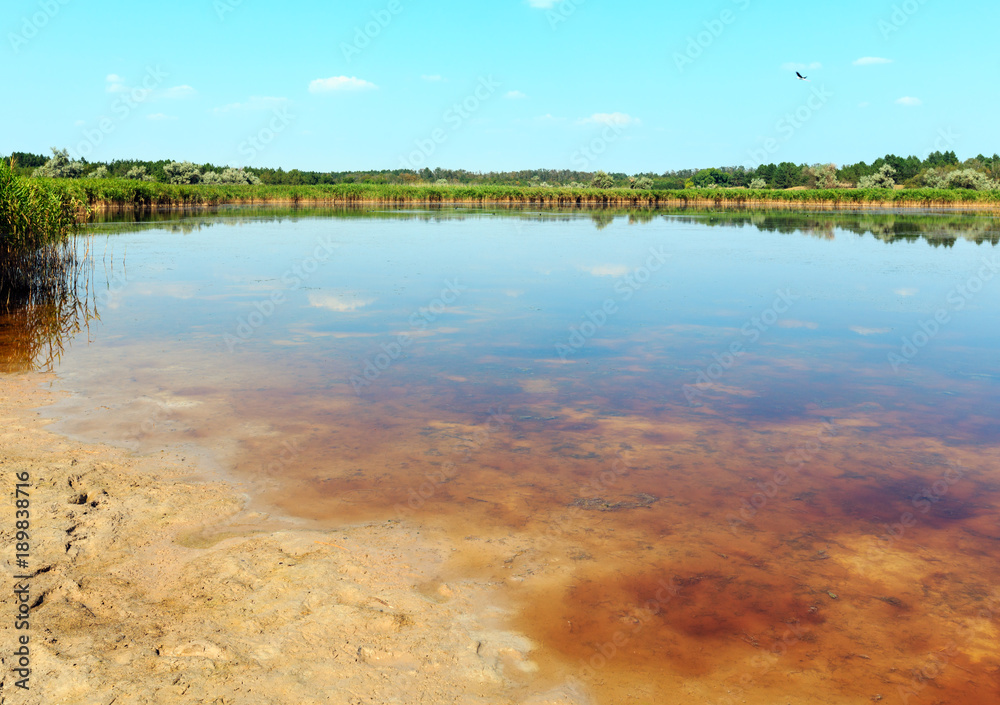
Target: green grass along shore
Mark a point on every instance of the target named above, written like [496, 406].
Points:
[119, 193]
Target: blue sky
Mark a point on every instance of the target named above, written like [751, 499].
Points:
[499, 85]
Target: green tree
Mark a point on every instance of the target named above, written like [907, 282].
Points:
[26, 159]
[708, 178]
[786, 175]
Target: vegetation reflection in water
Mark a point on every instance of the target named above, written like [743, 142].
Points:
[811, 524]
[937, 228]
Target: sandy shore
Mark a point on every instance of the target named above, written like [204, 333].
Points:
[150, 584]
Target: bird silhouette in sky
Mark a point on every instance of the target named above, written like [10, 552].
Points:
[801, 77]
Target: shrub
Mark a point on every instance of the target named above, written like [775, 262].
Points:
[182, 173]
[602, 180]
[230, 176]
[138, 173]
[881, 179]
[960, 178]
[60, 166]
[822, 175]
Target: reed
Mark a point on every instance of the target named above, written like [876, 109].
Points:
[103, 194]
[35, 220]
[41, 270]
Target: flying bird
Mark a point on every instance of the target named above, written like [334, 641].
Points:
[801, 77]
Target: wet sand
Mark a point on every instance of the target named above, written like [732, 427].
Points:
[153, 584]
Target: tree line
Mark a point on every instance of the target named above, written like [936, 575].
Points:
[938, 169]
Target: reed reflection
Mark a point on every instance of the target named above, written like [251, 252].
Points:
[47, 298]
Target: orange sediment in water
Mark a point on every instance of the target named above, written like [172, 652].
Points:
[672, 553]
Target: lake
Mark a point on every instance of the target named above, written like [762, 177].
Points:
[694, 448]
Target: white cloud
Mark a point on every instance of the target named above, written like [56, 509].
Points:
[161, 116]
[433, 78]
[340, 304]
[909, 101]
[340, 83]
[256, 102]
[543, 4]
[607, 270]
[115, 83]
[180, 92]
[871, 61]
[515, 95]
[792, 323]
[617, 119]
[861, 330]
[792, 66]
[906, 292]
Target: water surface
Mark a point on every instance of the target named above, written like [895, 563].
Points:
[712, 457]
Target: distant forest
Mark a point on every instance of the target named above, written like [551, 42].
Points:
[939, 169]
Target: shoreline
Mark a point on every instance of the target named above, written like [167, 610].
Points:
[150, 583]
[569, 203]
